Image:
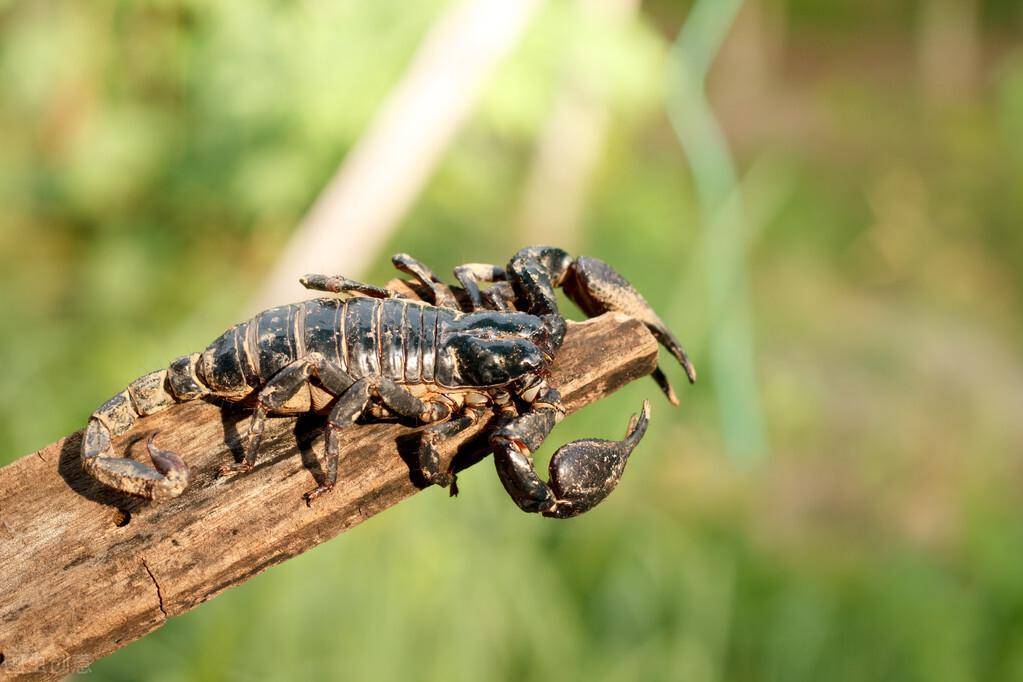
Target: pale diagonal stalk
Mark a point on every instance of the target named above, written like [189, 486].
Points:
[723, 233]
[395, 157]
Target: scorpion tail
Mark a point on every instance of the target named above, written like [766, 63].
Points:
[152, 393]
[168, 478]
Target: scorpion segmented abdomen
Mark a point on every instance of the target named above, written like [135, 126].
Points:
[320, 321]
[183, 378]
[413, 343]
[276, 344]
[360, 332]
[220, 365]
[429, 341]
[391, 339]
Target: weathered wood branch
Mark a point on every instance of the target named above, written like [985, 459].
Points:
[84, 571]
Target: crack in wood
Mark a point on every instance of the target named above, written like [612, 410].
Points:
[159, 593]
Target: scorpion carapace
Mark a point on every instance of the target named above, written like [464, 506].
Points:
[375, 353]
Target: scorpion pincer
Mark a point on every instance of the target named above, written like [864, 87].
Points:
[374, 353]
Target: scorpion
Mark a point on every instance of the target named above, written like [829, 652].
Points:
[369, 352]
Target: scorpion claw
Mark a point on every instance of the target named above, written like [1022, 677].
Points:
[666, 388]
[597, 288]
[584, 472]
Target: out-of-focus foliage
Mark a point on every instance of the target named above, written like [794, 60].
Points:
[156, 155]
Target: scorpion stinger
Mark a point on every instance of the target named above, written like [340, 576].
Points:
[147, 395]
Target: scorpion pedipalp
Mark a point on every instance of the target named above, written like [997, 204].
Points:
[597, 288]
[582, 473]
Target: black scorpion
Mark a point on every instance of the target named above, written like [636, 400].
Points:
[377, 354]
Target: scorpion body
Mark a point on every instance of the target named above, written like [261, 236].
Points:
[396, 339]
[376, 354]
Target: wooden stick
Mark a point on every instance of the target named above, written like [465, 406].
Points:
[84, 571]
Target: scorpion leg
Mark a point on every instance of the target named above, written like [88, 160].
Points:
[336, 284]
[429, 457]
[442, 295]
[502, 295]
[356, 401]
[470, 275]
[349, 406]
[278, 391]
[582, 472]
[404, 404]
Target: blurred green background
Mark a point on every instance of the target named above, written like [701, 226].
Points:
[837, 241]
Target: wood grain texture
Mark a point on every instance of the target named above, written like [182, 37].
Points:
[84, 571]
